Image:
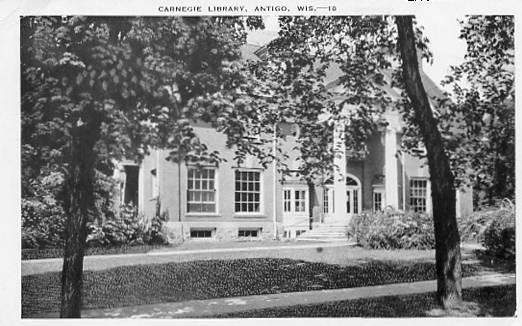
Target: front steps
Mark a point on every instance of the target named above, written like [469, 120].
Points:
[326, 232]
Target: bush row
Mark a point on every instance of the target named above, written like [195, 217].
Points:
[43, 227]
[393, 230]
[494, 228]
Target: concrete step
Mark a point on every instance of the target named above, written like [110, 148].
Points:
[326, 240]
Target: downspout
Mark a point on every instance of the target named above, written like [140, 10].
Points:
[274, 181]
[158, 178]
[403, 182]
[179, 195]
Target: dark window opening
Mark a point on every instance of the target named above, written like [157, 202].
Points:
[130, 195]
[248, 233]
[201, 233]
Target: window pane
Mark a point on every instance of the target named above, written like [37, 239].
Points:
[199, 198]
[247, 190]
[325, 201]
[418, 195]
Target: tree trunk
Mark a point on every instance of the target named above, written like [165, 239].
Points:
[79, 205]
[447, 240]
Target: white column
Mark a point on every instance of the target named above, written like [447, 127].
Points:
[141, 188]
[274, 182]
[391, 180]
[339, 180]
[457, 204]
[429, 202]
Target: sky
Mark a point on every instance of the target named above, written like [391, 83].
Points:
[441, 29]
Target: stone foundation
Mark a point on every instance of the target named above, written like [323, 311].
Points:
[220, 231]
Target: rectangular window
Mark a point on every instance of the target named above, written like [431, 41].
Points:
[300, 201]
[287, 201]
[248, 233]
[418, 195]
[355, 202]
[295, 200]
[328, 201]
[248, 191]
[377, 200]
[201, 192]
[348, 202]
[154, 183]
[201, 233]
[325, 202]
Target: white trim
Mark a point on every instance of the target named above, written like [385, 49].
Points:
[141, 188]
[339, 172]
[274, 182]
[391, 179]
[429, 206]
[158, 173]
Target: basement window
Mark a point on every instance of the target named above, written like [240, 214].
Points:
[248, 233]
[202, 233]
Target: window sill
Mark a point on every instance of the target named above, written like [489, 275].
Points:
[306, 214]
[249, 215]
[202, 214]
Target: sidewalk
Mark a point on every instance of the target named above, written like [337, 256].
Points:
[162, 256]
[213, 307]
[344, 254]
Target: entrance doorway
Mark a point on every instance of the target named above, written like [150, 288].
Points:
[353, 199]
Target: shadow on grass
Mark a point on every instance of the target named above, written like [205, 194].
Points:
[499, 301]
[199, 280]
[495, 264]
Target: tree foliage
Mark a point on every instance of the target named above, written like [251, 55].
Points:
[483, 106]
[101, 88]
[320, 71]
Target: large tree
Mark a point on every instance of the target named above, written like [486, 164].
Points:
[102, 88]
[447, 240]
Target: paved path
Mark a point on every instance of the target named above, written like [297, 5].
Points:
[162, 256]
[344, 254]
[213, 307]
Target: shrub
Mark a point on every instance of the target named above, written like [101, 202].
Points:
[473, 227]
[127, 228]
[42, 224]
[393, 230]
[42, 215]
[155, 233]
[130, 228]
[499, 236]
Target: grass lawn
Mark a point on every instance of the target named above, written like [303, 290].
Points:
[172, 282]
[497, 301]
